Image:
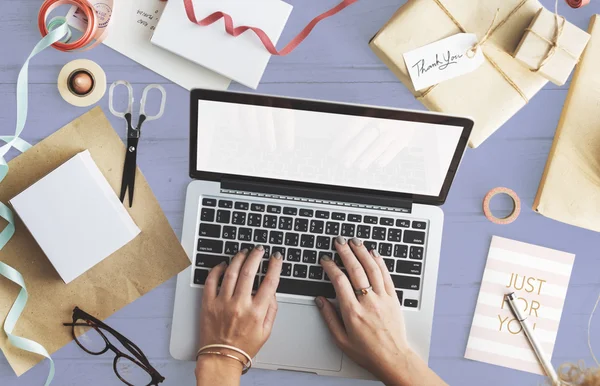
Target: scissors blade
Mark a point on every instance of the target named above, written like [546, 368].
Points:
[132, 185]
[129, 169]
[124, 179]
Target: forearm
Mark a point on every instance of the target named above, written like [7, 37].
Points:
[214, 370]
[412, 371]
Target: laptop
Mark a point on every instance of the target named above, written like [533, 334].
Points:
[293, 174]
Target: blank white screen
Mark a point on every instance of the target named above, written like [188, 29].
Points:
[324, 148]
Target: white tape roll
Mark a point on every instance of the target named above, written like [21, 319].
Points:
[82, 83]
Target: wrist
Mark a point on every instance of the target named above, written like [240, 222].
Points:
[219, 364]
[400, 371]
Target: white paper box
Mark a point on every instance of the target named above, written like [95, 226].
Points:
[75, 216]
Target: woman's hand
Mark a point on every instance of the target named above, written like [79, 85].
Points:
[371, 329]
[232, 315]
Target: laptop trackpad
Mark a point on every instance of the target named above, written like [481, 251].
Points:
[300, 338]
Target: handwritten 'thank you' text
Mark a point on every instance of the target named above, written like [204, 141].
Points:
[442, 60]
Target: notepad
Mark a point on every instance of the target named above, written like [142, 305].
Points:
[540, 278]
[75, 216]
[242, 58]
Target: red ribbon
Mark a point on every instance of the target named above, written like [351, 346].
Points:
[264, 38]
[577, 3]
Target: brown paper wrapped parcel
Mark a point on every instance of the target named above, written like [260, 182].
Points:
[570, 186]
[551, 46]
[494, 92]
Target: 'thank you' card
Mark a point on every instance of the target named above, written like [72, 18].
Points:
[540, 278]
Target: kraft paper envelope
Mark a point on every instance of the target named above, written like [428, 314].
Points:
[570, 187]
[153, 257]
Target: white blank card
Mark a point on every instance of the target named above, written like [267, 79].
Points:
[242, 58]
[75, 216]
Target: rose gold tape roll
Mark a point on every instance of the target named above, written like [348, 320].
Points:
[488, 212]
[82, 83]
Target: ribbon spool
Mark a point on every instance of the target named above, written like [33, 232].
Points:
[82, 83]
[96, 28]
[511, 217]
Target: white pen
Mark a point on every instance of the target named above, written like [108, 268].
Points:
[544, 361]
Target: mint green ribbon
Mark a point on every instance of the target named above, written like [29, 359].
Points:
[59, 31]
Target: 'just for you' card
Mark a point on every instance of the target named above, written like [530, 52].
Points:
[540, 278]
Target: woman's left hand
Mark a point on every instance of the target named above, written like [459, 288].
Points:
[232, 315]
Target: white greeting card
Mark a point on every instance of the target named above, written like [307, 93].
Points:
[130, 29]
[242, 58]
[540, 278]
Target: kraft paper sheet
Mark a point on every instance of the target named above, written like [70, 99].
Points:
[484, 94]
[570, 186]
[153, 257]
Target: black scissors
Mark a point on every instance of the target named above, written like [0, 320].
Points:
[133, 133]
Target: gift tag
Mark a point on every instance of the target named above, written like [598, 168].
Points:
[443, 60]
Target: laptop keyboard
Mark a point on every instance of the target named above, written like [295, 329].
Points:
[304, 235]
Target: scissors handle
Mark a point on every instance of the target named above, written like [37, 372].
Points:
[120, 114]
[163, 100]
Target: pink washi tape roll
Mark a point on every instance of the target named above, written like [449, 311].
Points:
[488, 212]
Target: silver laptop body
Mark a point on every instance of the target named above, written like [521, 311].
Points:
[406, 227]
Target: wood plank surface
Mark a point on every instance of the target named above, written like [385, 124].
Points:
[336, 64]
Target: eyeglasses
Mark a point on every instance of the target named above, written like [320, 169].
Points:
[132, 370]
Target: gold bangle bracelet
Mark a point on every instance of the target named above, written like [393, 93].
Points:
[245, 367]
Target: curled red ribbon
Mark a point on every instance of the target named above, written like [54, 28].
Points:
[264, 38]
[577, 3]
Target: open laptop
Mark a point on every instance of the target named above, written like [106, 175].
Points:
[292, 175]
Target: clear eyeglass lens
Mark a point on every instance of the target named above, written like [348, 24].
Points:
[89, 338]
[132, 373]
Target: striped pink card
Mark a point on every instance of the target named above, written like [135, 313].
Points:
[540, 278]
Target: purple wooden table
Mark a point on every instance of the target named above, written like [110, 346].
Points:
[334, 64]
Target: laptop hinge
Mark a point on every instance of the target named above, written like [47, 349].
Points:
[319, 195]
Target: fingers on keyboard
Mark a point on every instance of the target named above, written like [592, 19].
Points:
[340, 282]
[270, 282]
[303, 237]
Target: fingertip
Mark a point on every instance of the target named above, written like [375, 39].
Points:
[340, 240]
[241, 254]
[320, 302]
[325, 259]
[276, 262]
[218, 269]
[356, 242]
[257, 251]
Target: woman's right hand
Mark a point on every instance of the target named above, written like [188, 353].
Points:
[371, 328]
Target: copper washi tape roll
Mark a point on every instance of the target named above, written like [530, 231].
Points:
[488, 212]
[82, 83]
[577, 3]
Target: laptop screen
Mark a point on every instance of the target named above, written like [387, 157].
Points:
[324, 148]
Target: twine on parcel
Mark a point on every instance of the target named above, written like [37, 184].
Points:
[554, 42]
[487, 35]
